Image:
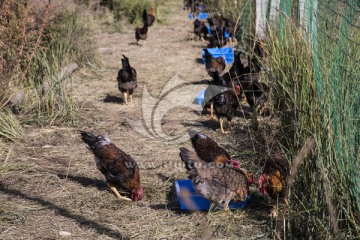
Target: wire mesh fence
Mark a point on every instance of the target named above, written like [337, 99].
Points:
[329, 188]
[314, 56]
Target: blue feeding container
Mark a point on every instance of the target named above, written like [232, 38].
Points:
[200, 97]
[189, 199]
[227, 53]
[191, 16]
[208, 28]
[203, 15]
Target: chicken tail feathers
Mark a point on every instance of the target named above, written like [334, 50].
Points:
[184, 155]
[144, 16]
[93, 141]
[125, 62]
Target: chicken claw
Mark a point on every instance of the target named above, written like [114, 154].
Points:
[274, 213]
[226, 209]
[118, 194]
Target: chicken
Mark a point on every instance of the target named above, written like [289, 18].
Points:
[211, 91]
[215, 23]
[256, 95]
[209, 151]
[188, 4]
[150, 18]
[119, 168]
[273, 180]
[254, 90]
[209, 94]
[226, 81]
[141, 33]
[196, 9]
[200, 29]
[225, 105]
[230, 28]
[213, 64]
[219, 184]
[217, 39]
[236, 70]
[127, 80]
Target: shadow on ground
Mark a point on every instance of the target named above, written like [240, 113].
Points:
[81, 220]
[113, 99]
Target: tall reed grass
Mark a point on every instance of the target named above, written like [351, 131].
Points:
[323, 198]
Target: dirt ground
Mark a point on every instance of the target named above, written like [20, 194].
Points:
[50, 188]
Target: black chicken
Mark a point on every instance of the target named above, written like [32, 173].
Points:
[225, 105]
[200, 30]
[141, 33]
[127, 80]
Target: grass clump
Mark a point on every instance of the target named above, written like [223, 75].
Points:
[40, 39]
[10, 127]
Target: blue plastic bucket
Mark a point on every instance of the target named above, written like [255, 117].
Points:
[227, 53]
[203, 15]
[189, 199]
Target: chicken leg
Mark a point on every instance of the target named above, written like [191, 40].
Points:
[125, 98]
[274, 212]
[212, 111]
[118, 194]
[130, 98]
[221, 121]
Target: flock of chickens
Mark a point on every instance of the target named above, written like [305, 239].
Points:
[220, 184]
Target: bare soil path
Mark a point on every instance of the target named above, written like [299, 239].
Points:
[51, 188]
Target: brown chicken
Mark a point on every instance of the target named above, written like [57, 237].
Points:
[219, 184]
[120, 169]
[213, 64]
[256, 95]
[217, 39]
[141, 33]
[230, 28]
[150, 18]
[127, 80]
[273, 180]
[200, 30]
[209, 151]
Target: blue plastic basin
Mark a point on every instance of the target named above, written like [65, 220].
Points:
[203, 15]
[227, 53]
[189, 199]
[200, 97]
